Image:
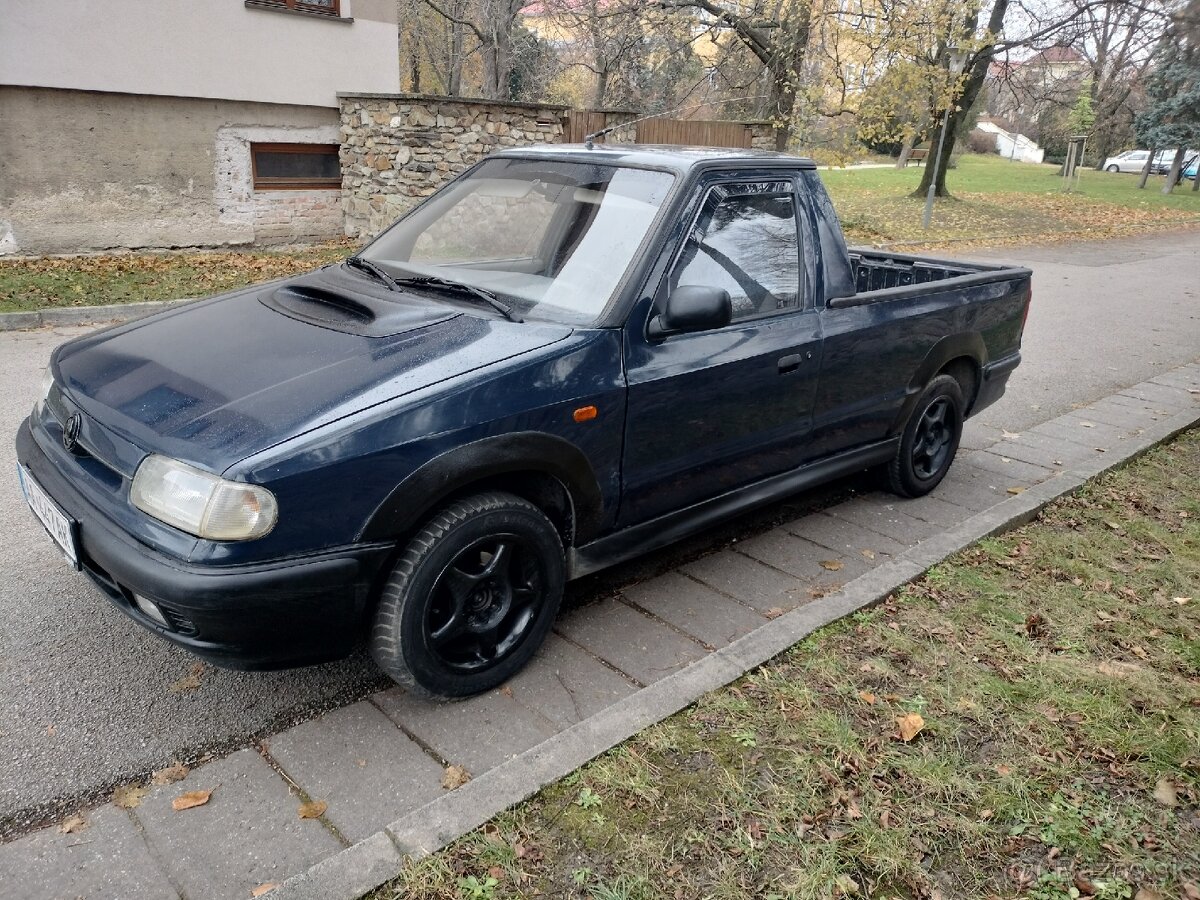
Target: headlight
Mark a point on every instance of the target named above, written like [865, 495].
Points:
[201, 503]
[47, 384]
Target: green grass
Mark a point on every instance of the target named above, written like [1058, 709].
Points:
[63, 282]
[998, 201]
[1057, 670]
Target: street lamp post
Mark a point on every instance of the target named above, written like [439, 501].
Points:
[957, 59]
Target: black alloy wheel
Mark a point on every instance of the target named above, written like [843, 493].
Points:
[471, 597]
[934, 436]
[929, 440]
[484, 603]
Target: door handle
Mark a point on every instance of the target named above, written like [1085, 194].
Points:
[790, 363]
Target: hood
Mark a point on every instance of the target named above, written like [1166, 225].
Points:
[213, 382]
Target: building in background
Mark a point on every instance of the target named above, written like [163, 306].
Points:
[176, 124]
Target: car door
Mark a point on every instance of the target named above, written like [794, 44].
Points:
[711, 411]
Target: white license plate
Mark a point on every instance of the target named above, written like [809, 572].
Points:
[60, 527]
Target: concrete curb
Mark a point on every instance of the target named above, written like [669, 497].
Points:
[85, 315]
[371, 862]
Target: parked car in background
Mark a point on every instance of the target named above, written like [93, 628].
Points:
[1164, 158]
[1133, 161]
[565, 358]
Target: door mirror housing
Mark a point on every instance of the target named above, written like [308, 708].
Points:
[692, 308]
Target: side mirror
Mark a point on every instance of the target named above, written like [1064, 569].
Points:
[692, 308]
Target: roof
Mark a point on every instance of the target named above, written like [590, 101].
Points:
[662, 156]
[1055, 54]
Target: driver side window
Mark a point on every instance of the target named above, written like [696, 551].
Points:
[745, 240]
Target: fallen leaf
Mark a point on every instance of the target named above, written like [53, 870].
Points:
[128, 796]
[1113, 525]
[185, 685]
[869, 554]
[867, 697]
[1147, 893]
[833, 565]
[1181, 600]
[1164, 792]
[774, 612]
[1087, 424]
[1016, 490]
[910, 726]
[455, 777]
[1009, 435]
[1190, 890]
[496, 872]
[72, 825]
[263, 888]
[189, 799]
[1083, 884]
[313, 809]
[506, 691]
[1003, 770]
[170, 774]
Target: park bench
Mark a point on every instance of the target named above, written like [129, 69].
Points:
[917, 155]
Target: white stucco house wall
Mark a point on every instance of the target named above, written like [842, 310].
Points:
[1010, 145]
[171, 123]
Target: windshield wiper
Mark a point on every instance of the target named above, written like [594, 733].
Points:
[365, 265]
[462, 288]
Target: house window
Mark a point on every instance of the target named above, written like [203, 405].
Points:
[296, 167]
[320, 7]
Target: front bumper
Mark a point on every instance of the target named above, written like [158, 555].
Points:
[283, 613]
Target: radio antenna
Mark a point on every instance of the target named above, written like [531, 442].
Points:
[589, 139]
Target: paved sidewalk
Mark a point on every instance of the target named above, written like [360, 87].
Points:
[609, 668]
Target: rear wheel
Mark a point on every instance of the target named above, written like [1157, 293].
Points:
[1114, 169]
[929, 441]
[471, 598]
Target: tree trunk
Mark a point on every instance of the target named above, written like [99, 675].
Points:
[1146, 168]
[1173, 174]
[906, 150]
[1196, 179]
[600, 95]
[786, 63]
[976, 75]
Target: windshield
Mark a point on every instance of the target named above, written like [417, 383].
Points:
[551, 239]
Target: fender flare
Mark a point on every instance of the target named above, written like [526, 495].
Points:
[955, 346]
[424, 488]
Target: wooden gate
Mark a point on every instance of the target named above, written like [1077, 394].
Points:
[693, 133]
[579, 123]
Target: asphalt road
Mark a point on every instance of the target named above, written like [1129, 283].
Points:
[89, 700]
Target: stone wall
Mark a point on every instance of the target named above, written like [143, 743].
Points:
[762, 135]
[398, 149]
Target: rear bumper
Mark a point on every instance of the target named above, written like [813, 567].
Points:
[995, 380]
[283, 613]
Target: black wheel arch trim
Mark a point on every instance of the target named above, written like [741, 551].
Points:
[414, 498]
[967, 345]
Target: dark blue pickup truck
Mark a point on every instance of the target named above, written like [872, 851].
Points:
[564, 358]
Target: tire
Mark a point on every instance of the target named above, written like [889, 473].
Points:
[929, 441]
[471, 597]
[1113, 169]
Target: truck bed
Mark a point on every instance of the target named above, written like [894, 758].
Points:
[879, 270]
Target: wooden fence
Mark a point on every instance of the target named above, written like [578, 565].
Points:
[578, 123]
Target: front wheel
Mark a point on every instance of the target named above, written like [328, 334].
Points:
[929, 441]
[471, 598]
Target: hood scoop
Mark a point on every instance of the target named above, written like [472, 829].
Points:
[360, 314]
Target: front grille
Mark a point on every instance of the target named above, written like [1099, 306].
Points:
[179, 623]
